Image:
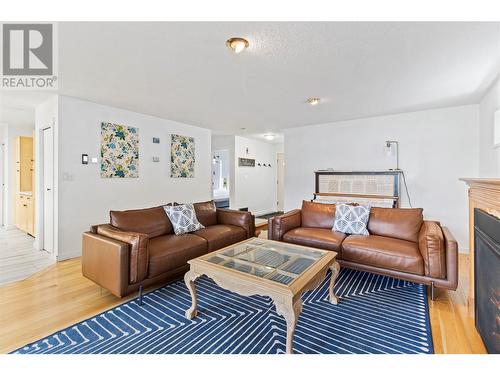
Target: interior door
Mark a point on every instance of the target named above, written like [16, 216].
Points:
[281, 181]
[48, 190]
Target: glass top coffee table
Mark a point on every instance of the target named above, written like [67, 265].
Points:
[274, 269]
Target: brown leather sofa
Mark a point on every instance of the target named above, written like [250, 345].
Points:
[139, 248]
[401, 244]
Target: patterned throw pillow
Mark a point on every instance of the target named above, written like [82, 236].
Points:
[351, 219]
[183, 218]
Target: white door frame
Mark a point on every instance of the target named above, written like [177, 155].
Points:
[280, 182]
[40, 189]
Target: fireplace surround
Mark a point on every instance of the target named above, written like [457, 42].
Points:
[487, 278]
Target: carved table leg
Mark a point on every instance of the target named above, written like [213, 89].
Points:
[291, 314]
[189, 279]
[335, 268]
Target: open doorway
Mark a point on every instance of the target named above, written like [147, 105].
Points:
[20, 256]
[18, 168]
[220, 178]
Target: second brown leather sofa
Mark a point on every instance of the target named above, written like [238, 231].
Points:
[401, 244]
[139, 248]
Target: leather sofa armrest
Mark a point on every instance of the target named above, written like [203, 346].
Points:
[105, 261]
[451, 246]
[242, 219]
[279, 225]
[432, 247]
[93, 228]
[138, 250]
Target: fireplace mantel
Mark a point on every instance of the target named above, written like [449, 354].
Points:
[484, 193]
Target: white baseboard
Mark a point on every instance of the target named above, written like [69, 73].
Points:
[67, 256]
[36, 245]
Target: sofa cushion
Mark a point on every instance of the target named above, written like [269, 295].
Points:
[151, 221]
[383, 252]
[317, 215]
[169, 252]
[351, 219]
[183, 218]
[402, 223]
[219, 236]
[321, 238]
[206, 212]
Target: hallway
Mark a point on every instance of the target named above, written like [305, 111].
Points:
[18, 259]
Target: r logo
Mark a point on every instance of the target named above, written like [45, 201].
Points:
[27, 49]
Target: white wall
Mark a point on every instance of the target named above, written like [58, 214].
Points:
[489, 157]
[437, 147]
[280, 147]
[85, 198]
[3, 176]
[255, 187]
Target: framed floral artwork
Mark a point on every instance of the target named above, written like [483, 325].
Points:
[182, 156]
[119, 151]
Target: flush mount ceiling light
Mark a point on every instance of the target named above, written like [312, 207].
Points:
[237, 45]
[269, 137]
[313, 101]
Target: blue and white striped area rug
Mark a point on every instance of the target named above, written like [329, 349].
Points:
[376, 314]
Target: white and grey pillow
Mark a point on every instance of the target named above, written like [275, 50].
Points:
[183, 218]
[351, 219]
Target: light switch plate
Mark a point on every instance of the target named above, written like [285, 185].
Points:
[94, 160]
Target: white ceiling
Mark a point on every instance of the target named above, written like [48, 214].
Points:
[18, 107]
[17, 116]
[184, 72]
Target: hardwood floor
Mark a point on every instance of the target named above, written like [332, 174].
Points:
[452, 320]
[60, 296]
[18, 259]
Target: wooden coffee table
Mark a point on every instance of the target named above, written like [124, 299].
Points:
[278, 270]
